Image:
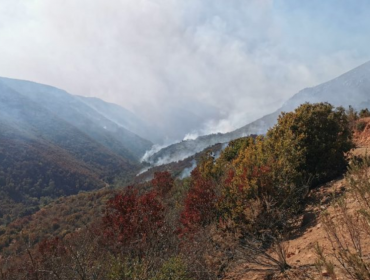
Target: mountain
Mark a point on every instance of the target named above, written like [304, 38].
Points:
[123, 118]
[179, 169]
[52, 144]
[78, 112]
[351, 88]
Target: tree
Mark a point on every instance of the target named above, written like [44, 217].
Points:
[131, 217]
[270, 177]
[311, 143]
[162, 182]
[364, 113]
[200, 203]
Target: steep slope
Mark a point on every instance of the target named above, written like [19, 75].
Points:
[123, 118]
[84, 117]
[351, 88]
[42, 155]
[179, 169]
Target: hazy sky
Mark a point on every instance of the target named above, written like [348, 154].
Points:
[185, 66]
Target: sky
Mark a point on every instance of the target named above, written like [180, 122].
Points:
[185, 67]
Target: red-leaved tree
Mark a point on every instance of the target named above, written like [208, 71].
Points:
[200, 203]
[133, 218]
[162, 182]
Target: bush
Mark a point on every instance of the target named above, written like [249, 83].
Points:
[133, 217]
[347, 230]
[199, 209]
[173, 269]
[162, 182]
[311, 143]
[364, 113]
[360, 126]
[270, 177]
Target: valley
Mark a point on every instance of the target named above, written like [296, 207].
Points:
[70, 169]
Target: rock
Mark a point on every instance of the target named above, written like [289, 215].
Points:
[325, 273]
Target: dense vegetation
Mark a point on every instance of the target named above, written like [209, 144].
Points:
[44, 155]
[240, 206]
[35, 172]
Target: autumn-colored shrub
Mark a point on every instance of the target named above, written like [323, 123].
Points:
[162, 182]
[131, 217]
[199, 208]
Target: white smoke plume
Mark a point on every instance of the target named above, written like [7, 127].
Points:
[184, 66]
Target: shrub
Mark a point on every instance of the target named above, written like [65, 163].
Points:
[270, 177]
[312, 143]
[364, 113]
[132, 217]
[199, 209]
[173, 269]
[162, 182]
[349, 230]
[360, 126]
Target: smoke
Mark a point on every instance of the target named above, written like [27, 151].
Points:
[155, 148]
[143, 170]
[191, 136]
[185, 67]
[187, 171]
[181, 155]
[164, 159]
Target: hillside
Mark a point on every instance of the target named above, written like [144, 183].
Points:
[179, 169]
[50, 146]
[313, 228]
[351, 88]
[88, 119]
[234, 218]
[122, 118]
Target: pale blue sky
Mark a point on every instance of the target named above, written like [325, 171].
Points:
[186, 66]
[326, 26]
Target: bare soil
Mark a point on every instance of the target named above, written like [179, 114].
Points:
[301, 253]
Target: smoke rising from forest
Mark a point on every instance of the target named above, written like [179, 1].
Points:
[185, 67]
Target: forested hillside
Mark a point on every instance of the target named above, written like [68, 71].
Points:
[232, 217]
[84, 115]
[51, 146]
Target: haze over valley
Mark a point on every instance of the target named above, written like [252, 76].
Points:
[184, 140]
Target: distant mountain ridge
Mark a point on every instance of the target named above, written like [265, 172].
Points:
[123, 118]
[78, 112]
[351, 88]
[52, 144]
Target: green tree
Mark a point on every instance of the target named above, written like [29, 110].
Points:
[270, 177]
[311, 143]
[364, 113]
